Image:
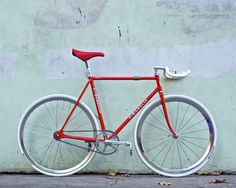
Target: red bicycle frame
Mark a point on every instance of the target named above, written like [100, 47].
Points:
[90, 82]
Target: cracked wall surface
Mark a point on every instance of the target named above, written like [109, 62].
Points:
[36, 38]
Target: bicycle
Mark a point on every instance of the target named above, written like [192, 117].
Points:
[174, 135]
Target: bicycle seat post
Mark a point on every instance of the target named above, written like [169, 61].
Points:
[88, 68]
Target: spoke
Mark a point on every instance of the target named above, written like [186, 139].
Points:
[46, 150]
[194, 131]
[197, 138]
[161, 112]
[193, 125]
[60, 151]
[41, 148]
[159, 121]
[76, 150]
[194, 144]
[55, 156]
[183, 117]
[62, 109]
[177, 144]
[74, 117]
[157, 127]
[37, 133]
[69, 109]
[156, 146]
[36, 126]
[163, 115]
[50, 115]
[80, 150]
[161, 150]
[35, 139]
[46, 124]
[49, 156]
[185, 154]
[82, 125]
[56, 115]
[149, 138]
[167, 153]
[78, 129]
[190, 149]
[189, 120]
[173, 154]
[67, 148]
[169, 112]
[176, 121]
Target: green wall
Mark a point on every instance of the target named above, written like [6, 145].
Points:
[36, 38]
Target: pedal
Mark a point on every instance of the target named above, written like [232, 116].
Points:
[130, 148]
[131, 152]
[125, 143]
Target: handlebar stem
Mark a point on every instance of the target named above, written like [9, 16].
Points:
[156, 68]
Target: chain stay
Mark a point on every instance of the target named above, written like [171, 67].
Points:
[101, 139]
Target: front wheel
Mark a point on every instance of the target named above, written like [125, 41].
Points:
[37, 141]
[166, 154]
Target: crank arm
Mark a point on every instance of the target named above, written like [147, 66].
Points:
[125, 143]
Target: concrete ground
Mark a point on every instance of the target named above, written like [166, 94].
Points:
[91, 180]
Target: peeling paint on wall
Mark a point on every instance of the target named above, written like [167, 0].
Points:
[200, 16]
[69, 14]
[135, 36]
[207, 60]
[124, 33]
[60, 64]
[7, 66]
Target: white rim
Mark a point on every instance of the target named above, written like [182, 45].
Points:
[166, 173]
[73, 169]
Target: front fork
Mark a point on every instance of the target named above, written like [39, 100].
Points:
[163, 103]
[166, 115]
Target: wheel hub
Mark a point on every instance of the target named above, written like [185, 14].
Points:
[175, 136]
[56, 136]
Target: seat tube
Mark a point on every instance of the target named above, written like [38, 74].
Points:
[163, 103]
[98, 107]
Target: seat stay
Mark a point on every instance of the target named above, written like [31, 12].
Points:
[97, 104]
[94, 92]
[74, 107]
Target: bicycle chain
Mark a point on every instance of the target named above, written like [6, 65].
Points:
[89, 148]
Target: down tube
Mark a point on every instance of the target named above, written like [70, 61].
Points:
[137, 110]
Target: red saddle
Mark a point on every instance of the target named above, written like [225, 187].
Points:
[85, 56]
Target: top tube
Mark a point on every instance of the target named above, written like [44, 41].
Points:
[123, 77]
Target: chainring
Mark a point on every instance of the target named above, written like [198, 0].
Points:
[104, 147]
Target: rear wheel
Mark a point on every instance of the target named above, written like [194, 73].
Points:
[40, 146]
[170, 156]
